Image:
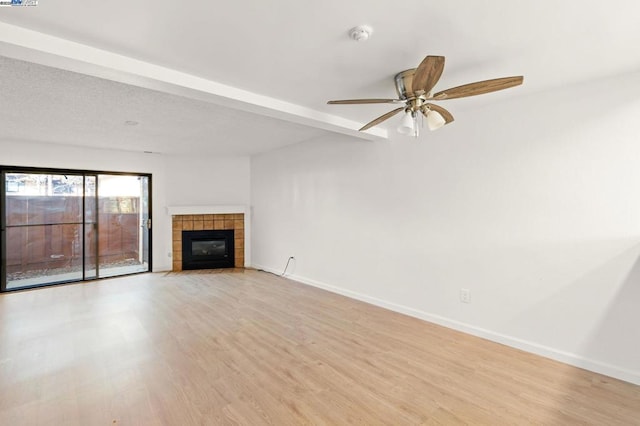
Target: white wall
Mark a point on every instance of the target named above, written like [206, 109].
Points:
[532, 204]
[176, 180]
[205, 180]
[196, 180]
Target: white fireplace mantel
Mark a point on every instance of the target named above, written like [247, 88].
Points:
[214, 209]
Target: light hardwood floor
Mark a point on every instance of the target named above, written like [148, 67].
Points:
[251, 348]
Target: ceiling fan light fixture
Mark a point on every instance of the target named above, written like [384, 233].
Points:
[406, 125]
[435, 120]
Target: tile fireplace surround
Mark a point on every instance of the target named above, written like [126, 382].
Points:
[207, 222]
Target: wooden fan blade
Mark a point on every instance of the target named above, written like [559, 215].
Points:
[443, 112]
[363, 101]
[427, 74]
[381, 119]
[478, 88]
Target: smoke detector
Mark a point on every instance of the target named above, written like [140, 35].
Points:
[360, 33]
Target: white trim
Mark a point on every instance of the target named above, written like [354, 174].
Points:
[213, 209]
[534, 348]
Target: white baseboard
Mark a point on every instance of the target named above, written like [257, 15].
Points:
[555, 354]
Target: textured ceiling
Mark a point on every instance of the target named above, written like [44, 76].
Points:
[299, 52]
[45, 104]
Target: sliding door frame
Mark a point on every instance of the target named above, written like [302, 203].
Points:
[3, 234]
[4, 170]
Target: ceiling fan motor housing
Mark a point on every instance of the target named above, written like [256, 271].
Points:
[404, 81]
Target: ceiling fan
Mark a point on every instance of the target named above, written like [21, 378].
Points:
[414, 88]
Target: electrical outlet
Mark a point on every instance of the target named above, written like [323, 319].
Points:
[465, 295]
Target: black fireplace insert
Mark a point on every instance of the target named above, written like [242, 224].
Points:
[207, 249]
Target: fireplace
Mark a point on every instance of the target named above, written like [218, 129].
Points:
[208, 249]
[208, 222]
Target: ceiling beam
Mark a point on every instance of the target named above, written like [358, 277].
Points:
[28, 45]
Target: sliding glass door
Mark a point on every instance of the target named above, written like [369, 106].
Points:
[64, 226]
[44, 228]
[123, 225]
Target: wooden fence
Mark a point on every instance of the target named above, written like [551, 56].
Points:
[46, 232]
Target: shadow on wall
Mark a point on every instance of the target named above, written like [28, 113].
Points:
[615, 338]
[596, 286]
[617, 334]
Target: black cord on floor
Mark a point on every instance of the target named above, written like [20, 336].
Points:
[287, 266]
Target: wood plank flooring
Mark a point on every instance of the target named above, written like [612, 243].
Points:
[250, 348]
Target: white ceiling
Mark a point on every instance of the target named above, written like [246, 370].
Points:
[293, 51]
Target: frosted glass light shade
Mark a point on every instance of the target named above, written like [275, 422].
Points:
[435, 120]
[406, 125]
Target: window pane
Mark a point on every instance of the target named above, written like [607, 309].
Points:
[43, 254]
[40, 199]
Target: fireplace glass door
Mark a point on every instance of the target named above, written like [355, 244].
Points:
[208, 249]
[216, 248]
